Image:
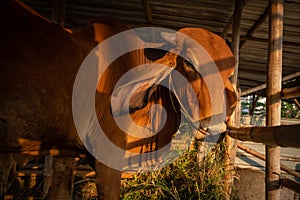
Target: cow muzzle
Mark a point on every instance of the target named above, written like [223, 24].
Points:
[214, 133]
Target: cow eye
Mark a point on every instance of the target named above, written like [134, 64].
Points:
[188, 62]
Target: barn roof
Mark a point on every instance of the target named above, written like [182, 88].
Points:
[213, 15]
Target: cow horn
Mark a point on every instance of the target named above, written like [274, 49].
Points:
[169, 37]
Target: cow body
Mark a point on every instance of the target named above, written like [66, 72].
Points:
[39, 62]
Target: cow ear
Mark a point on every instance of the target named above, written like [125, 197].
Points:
[231, 97]
[154, 54]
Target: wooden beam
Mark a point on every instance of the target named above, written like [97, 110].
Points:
[227, 27]
[263, 40]
[284, 135]
[263, 86]
[58, 12]
[256, 25]
[254, 89]
[273, 100]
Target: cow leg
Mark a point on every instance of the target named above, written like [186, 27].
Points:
[10, 164]
[63, 177]
[7, 172]
[108, 182]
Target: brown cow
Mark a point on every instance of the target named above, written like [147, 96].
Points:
[39, 62]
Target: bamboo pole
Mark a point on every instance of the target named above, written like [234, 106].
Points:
[235, 118]
[274, 81]
[284, 135]
[262, 157]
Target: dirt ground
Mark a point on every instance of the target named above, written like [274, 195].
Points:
[250, 185]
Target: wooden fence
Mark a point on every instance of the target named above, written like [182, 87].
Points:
[274, 135]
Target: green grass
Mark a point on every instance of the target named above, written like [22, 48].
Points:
[186, 178]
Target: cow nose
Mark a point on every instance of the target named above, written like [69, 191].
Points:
[214, 133]
[217, 128]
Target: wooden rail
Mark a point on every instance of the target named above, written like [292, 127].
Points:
[284, 135]
[262, 157]
[290, 184]
[289, 93]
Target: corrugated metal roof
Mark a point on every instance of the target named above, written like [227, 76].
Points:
[212, 15]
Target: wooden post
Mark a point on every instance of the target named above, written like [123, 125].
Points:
[58, 12]
[274, 81]
[253, 104]
[148, 10]
[230, 22]
[235, 118]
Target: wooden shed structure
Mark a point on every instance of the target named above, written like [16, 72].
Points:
[220, 17]
[214, 15]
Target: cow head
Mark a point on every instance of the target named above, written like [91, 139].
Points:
[206, 62]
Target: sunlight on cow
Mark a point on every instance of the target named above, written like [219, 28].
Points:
[38, 66]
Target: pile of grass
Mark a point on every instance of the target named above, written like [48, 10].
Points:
[186, 178]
